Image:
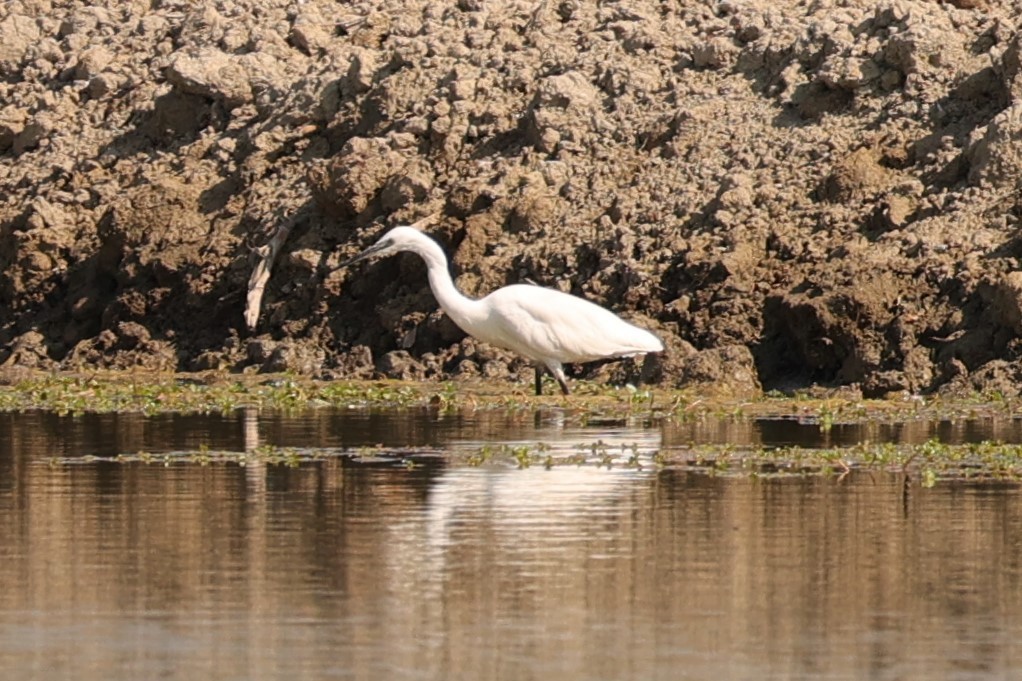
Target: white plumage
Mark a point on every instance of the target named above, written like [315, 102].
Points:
[549, 327]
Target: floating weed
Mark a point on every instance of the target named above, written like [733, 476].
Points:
[160, 394]
[519, 455]
[595, 405]
[826, 420]
[577, 459]
[201, 457]
[446, 399]
[686, 408]
[150, 393]
[515, 402]
[639, 400]
[930, 462]
[366, 453]
[286, 393]
[522, 455]
[481, 456]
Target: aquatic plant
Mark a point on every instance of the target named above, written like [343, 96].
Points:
[928, 463]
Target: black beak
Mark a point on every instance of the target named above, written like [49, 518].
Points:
[369, 252]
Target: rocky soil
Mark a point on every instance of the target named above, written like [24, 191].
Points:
[789, 193]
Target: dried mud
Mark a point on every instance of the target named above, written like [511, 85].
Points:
[789, 193]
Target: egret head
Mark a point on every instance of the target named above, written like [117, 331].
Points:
[396, 240]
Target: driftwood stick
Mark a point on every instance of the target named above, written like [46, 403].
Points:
[261, 273]
[267, 254]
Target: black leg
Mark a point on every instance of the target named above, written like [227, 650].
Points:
[564, 385]
[539, 380]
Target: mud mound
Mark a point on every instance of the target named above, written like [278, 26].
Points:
[789, 193]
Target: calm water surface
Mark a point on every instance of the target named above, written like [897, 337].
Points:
[345, 570]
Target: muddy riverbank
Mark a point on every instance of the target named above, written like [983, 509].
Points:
[789, 193]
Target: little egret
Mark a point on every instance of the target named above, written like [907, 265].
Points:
[549, 327]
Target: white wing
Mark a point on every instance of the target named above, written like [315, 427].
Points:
[542, 323]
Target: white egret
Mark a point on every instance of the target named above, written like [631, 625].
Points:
[547, 326]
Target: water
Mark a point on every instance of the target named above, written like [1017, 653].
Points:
[344, 570]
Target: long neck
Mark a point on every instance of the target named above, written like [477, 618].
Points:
[462, 310]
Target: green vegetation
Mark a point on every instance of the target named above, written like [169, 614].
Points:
[593, 405]
[927, 463]
[152, 394]
[212, 392]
